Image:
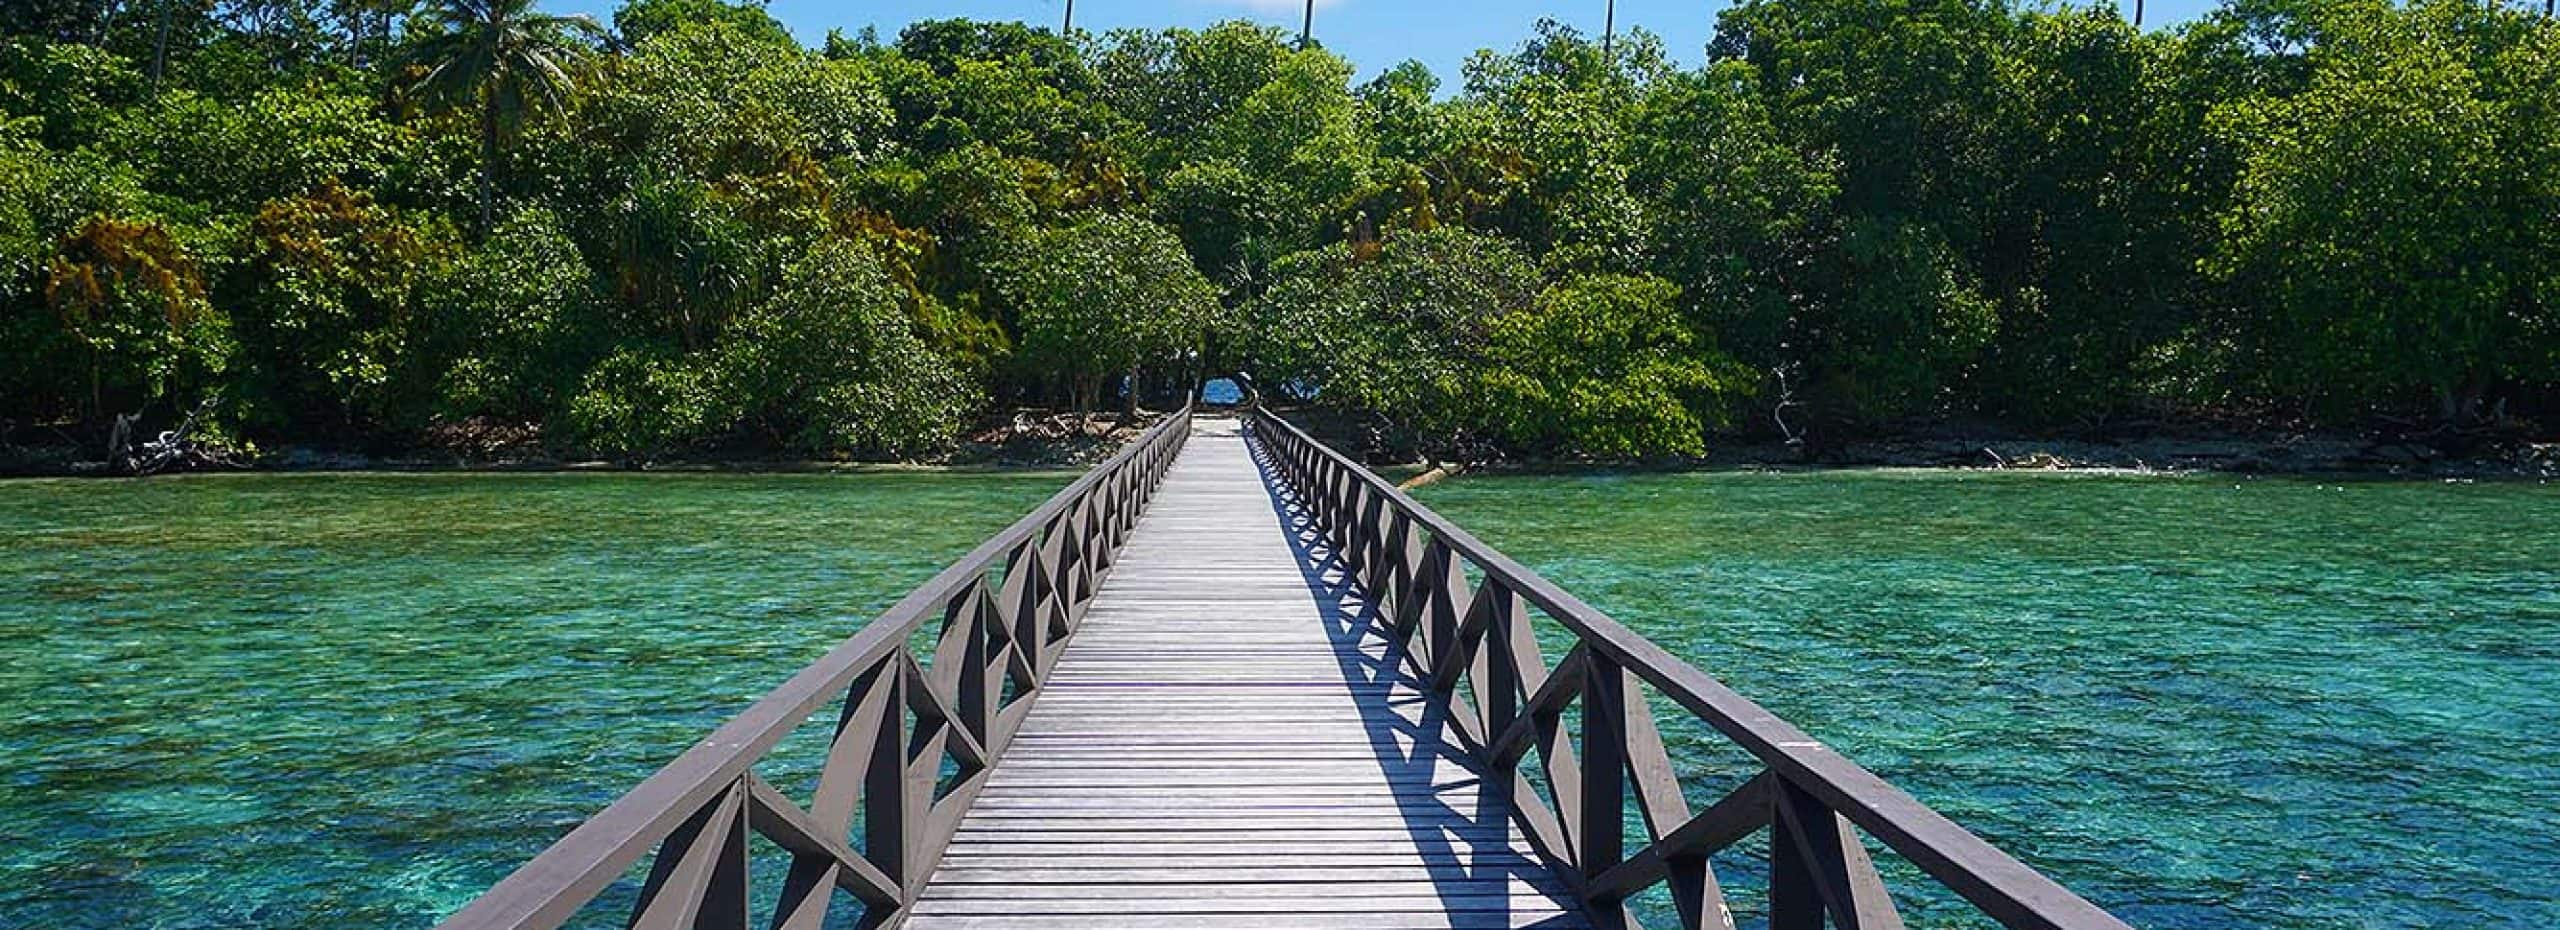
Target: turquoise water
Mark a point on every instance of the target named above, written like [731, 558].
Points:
[355, 701]
[2200, 702]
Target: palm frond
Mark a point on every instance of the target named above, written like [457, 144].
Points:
[505, 49]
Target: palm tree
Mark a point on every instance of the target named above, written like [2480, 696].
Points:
[498, 54]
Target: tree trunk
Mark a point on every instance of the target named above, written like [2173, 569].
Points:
[488, 159]
[2458, 404]
[97, 392]
[160, 46]
[1129, 405]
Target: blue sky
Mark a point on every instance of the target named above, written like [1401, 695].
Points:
[1374, 34]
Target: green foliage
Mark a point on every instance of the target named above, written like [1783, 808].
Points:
[1276, 174]
[827, 364]
[501, 54]
[1559, 109]
[323, 304]
[1299, 132]
[1603, 366]
[713, 99]
[1229, 219]
[1898, 327]
[499, 57]
[1449, 339]
[124, 323]
[1400, 335]
[641, 20]
[683, 261]
[44, 195]
[2393, 213]
[1869, 212]
[1738, 212]
[2104, 204]
[232, 157]
[70, 91]
[956, 83]
[511, 323]
[1113, 293]
[1177, 84]
[1902, 89]
[830, 365]
[641, 401]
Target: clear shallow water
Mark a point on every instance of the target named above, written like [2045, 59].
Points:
[335, 701]
[355, 701]
[2199, 702]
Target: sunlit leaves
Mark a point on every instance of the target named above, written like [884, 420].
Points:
[2390, 213]
[712, 99]
[1396, 331]
[1104, 296]
[1603, 366]
[131, 323]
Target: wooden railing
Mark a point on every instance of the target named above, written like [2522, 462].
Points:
[1475, 646]
[910, 749]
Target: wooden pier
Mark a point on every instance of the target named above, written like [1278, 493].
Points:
[1231, 679]
[1226, 743]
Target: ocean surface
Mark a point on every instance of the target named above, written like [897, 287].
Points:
[308, 701]
[334, 701]
[2203, 702]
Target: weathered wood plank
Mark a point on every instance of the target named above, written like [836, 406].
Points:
[1149, 919]
[1285, 845]
[1304, 903]
[1228, 741]
[1507, 887]
[1212, 876]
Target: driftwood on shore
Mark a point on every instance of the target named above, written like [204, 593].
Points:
[179, 449]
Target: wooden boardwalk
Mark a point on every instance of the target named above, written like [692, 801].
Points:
[1216, 684]
[1228, 742]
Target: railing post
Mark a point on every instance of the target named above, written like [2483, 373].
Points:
[699, 881]
[1604, 770]
[1020, 602]
[1500, 690]
[1401, 554]
[690, 821]
[887, 821]
[1480, 651]
[977, 690]
[1826, 865]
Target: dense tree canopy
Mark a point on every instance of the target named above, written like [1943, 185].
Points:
[359, 221]
[1113, 293]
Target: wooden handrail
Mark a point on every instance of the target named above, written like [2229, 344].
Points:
[1006, 608]
[1411, 562]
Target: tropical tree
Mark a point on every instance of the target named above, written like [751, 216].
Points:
[323, 309]
[831, 364]
[131, 310]
[1115, 293]
[1395, 332]
[1601, 365]
[639, 20]
[499, 55]
[2101, 205]
[2391, 213]
[1556, 110]
[1738, 216]
[511, 324]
